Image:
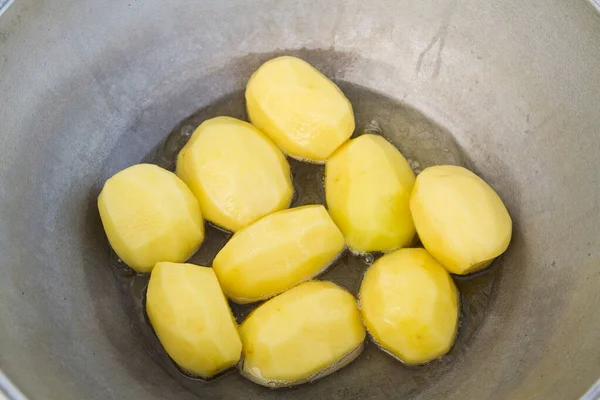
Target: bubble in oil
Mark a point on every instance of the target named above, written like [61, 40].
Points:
[420, 141]
[368, 258]
[372, 127]
[415, 166]
[187, 130]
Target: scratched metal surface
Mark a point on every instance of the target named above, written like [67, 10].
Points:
[515, 82]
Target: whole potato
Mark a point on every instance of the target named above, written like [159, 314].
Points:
[460, 219]
[237, 174]
[192, 319]
[368, 185]
[303, 334]
[277, 252]
[150, 215]
[299, 108]
[410, 306]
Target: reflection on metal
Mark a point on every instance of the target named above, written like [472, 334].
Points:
[7, 390]
[594, 392]
[4, 4]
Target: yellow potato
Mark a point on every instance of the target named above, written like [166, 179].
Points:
[237, 174]
[410, 306]
[192, 319]
[150, 215]
[460, 219]
[368, 185]
[301, 335]
[299, 108]
[277, 252]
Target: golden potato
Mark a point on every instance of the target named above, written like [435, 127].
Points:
[460, 219]
[150, 215]
[277, 252]
[237, 174]
[410, 306]
[192, 319]
[299, 108]
[301, 335]
[368, 185]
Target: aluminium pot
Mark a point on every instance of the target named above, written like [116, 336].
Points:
[89, 87]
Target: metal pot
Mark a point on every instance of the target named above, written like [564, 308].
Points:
[89, 87]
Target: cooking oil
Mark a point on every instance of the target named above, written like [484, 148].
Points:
[423, 143]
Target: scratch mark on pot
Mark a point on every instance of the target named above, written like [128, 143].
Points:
[532, 128]
[438, 38]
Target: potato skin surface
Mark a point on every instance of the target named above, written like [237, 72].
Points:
[150, 215]
[460, 219]
[192, 319]
[237, 174]
[299, 108]
[410, 306]
[278, 252]
[368, 185]
[307, 330]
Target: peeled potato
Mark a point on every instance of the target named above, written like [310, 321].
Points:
[410, 306]
[150, 215]
[277, 252]
[301, 335]
[299, 108]
[368, 185]
[192, 319]
[460, 219]
[237, 174]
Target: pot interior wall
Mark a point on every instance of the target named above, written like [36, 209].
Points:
[88, 89]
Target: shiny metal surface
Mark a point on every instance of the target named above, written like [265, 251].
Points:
[517, 83]
[4, 4]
